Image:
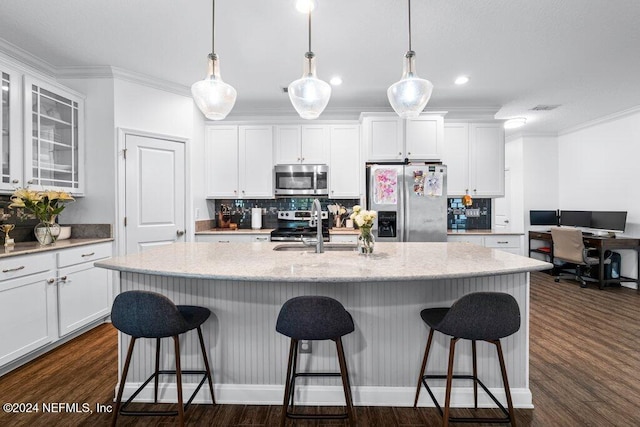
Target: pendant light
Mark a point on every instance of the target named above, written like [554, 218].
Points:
[410, 95]
[309, 95]
[214, 97]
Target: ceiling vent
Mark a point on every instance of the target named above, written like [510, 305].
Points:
[543, 107]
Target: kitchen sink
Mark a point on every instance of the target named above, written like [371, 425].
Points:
[327, 247]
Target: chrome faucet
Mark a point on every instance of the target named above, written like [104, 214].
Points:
[318, 241]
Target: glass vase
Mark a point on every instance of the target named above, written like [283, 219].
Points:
[46, 232]
[366, 241]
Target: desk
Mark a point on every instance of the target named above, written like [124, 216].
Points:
[601, 243]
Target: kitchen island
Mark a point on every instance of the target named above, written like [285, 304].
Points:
[245, 285]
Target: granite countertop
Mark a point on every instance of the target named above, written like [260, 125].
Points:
[258, 261]
[485, 232]
[24, 248]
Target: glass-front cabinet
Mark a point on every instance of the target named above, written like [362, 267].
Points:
[11, 172]
[53, 130]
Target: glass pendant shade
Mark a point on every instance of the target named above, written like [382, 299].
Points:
[214, 97]
[410, 95]
[309, 95]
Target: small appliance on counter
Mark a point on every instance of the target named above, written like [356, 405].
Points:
[294, 225]
[224, 217]
[256, 218]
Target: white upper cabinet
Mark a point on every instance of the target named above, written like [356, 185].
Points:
[474, 155]
[239, 161]
[255, 170]
[53, 124]
[344, 166]
[390, 138]
[308, 144]
[11, 127]
[424, 137]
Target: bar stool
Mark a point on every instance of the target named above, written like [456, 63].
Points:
[480, 316]
[314, 318]
[143, 314]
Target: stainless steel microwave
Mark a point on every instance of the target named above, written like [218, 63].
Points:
[301, 180]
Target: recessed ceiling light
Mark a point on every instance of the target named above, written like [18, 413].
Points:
[305, 6]
[462, 80]
[514, 123]
[336, 81]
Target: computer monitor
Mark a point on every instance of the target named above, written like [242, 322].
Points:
[613, 221]
[575, 218]
[543, 217]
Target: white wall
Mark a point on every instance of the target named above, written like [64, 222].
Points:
[598, 170]
[98, 206]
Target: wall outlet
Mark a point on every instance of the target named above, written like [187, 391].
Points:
[304, 347]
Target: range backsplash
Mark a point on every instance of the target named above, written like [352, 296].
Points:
[457, 218]
[241, 208]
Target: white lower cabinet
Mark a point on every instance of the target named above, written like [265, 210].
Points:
[48, 295]
[344, 238]
[505, 242]
[233, 238]
[84, 291]
[27, 305]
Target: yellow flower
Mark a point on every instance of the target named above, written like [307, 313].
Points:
[357, 208]
[17, 203]
[63, 195]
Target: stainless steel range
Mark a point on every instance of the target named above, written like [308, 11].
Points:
[294, 225]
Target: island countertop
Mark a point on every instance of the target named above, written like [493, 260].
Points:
[259, 262]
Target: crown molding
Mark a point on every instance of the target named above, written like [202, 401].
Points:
[601, 120]
[26, 61]
[106, 71]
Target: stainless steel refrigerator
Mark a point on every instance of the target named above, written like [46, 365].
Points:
[411, 201]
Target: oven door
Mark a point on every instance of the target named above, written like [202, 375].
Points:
[301, 180]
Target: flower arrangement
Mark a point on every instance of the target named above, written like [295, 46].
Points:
[44, 205]
[364, 220]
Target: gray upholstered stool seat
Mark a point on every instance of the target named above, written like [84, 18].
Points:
[480, 316]
[314, 318]
[143, 314]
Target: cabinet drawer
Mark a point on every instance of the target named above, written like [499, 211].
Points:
[20, 266]
[82, 254]
[502, 241]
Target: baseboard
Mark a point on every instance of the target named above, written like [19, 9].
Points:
[329, 395]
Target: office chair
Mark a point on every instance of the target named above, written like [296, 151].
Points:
[568, 247]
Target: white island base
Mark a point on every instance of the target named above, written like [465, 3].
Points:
[249, 357]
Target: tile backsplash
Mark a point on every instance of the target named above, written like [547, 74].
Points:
[475, 217]
[241, 208]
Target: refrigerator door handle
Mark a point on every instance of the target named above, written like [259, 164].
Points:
[405, 206]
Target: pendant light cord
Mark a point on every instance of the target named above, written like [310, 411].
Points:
[409, 3]
[309, 30]
[213, 27]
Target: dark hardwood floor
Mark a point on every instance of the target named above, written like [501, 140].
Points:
[585, 371]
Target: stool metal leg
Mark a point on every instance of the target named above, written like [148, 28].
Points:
[507, 392]
[155, 383]
[176, 340]
[475, 373]
[206, 364]
[345, 382]
[447, 400]
[287, 384]
[424, 366]
[116, 409]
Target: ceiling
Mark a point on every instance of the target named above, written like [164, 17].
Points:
[580, 54]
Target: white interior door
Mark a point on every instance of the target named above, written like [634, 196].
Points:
[502, 205]
[155, 192]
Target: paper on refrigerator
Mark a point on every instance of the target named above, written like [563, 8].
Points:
[385, 182]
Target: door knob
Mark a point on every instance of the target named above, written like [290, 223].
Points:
[180, 233]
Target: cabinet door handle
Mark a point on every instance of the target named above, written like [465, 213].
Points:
[399, 153]
[63, 279]
[298, 158]
[303, 159]
[262, 239]
[91, 254]
[503, 243]
[223, 241]
[180, 233]
[409, 153]
[30, 182]
[51, 281]
[15, 181]
[7, 270]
